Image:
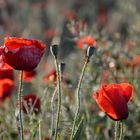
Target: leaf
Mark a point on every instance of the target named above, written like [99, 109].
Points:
[58, 136]
[79, 129]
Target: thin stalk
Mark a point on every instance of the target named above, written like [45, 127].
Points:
[20, 105]
[78, 97]
[116, 130]
[88, 135]
[121, 130]
[39, 129]
[59, 98]
[52, 118]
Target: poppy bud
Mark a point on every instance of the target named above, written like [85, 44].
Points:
[90, 51]
[62, 67]
[54, 50]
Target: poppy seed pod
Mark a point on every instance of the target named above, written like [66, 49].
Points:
[113, 99]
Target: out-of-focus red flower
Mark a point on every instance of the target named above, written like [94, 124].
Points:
[6, 71]
[50, 33]
[129, 63]
[69, 14]
[137, 59]
[31, 103]
[102, 16]
[28, 76]
[113, 99]
[51, 77]
[6, 88]
[134, 62]
[22, 54]
[86, 41]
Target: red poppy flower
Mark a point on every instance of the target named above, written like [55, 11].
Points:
[31, 103]
[70, 15]
[134, 62]
[86, 41]
[22, 54]
[102, 15]
[28, 76]
[129, 63]
[50, 77]
[6, 71]
[6, 88]
[50, 33]
[113, 99]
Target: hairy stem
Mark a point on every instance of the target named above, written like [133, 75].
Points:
[121, 130]
[78, 97]
[20, 105]
[52, 118]
[59, 98]
[116, 130]
[39, 129]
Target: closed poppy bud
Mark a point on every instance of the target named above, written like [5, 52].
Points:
[31, 103]
[62, 66]
[6, 88]
[54, 50]
[113, 99]
[22, 54]
[90, 51]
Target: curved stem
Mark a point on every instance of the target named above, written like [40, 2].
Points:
[121, 131]
[78, 97]
[52, 118]
[59, 98]
[20, 105]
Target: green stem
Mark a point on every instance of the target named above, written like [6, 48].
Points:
[52, 118]
[39, 129]
[59, 98]
[121, 131]
[20, 105]
[78, 97]
[116, 130]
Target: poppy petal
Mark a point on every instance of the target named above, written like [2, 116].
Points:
[127, 91]
[113, 93]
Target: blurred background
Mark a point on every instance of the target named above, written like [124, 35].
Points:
[115, 25]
